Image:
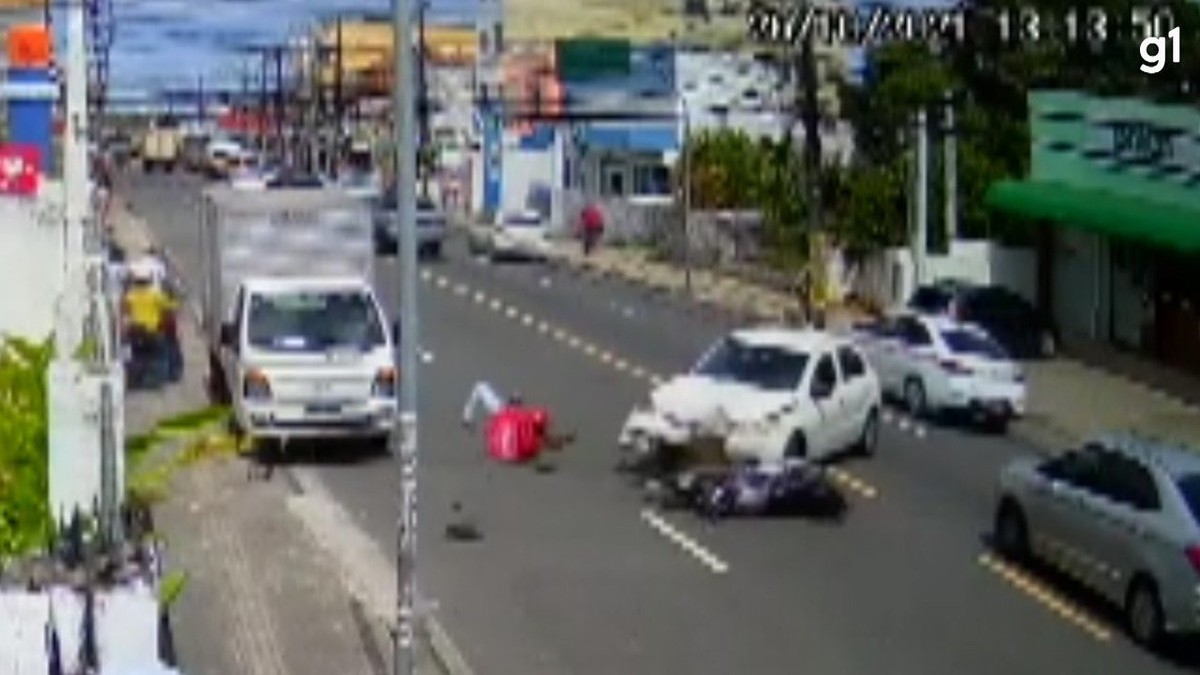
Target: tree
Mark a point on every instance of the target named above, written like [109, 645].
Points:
[725, 169]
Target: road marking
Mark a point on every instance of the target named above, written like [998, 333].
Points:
[851, 482]
[903, 424]
[441, 282]
[590, 349]
[511, 312]
[527, 319]
[655, 380]
[573, 342]
[919, 431]
[495, 305]
[426, 275]
[888, 417]
[479, 297]
[605, 357]
[620, 364]
[559, 334]
[543, 327]
[460, 290]
[637, 372]
[683, 541]
[1039, 592]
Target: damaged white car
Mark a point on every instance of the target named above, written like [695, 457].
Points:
[769, 394]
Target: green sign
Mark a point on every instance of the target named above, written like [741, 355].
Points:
[584, 59]
[1120, 145]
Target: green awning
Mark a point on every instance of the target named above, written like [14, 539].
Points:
[1101, 212]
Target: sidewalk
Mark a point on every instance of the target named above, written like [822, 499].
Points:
[264, 596]
[1068, 399]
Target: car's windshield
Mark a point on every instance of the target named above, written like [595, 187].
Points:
[1189, 487]
[974, 343]
[768, 368]
[522, 220]
[314, 322]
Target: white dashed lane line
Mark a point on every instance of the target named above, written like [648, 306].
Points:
[621, 365]
[904, 423]
[690, 546]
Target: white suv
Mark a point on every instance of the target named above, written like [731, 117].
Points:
[769, 393]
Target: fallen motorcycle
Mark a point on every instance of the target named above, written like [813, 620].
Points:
[792, 487]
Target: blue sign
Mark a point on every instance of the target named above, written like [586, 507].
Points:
[493, 138]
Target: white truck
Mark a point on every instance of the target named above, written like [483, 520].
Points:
[298, 343]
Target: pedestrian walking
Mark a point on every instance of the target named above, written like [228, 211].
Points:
[592, 227]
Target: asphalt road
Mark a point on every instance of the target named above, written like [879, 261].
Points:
[572, 576]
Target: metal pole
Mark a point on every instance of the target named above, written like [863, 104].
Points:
[339, 102]
[404, 436]
[262, 104]
[75, 177]
[279, 104]
[950, 165]
[921, 226]
[200, 98]
[812, 168]
[687, 196]
[423, 101]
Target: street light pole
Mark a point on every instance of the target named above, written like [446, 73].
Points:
[687, 195]
[404, 435]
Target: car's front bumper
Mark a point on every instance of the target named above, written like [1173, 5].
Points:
[353, 420]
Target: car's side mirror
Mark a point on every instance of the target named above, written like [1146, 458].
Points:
[228, 335]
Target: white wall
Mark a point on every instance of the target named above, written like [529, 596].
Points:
[523, 169]
[887, 278]
[31, 242]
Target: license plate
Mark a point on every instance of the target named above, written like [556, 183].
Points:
[323, 409]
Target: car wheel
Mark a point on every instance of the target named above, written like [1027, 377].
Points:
[869, 437]
[1010, 534]
[914, 397]
[1144, 613]
[1049, 346]
[999, 424]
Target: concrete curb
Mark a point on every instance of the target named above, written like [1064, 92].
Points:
[365, 568]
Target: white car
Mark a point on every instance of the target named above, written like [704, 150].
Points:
[936, 364]
[769, 393]
[520, 235]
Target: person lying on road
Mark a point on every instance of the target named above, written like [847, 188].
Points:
[515, 433]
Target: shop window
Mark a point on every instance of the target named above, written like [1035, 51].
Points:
[651, 179]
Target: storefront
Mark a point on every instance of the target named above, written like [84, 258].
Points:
[1117, 184]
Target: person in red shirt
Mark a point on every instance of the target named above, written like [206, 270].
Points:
[515, 433]
[592, 222]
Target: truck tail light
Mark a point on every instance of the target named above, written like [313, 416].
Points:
[256, 386]
[384, 385]
[1193, 556]
[954, 367]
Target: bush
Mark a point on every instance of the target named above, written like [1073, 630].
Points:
[24, 446]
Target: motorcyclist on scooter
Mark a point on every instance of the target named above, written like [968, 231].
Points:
[146, 309]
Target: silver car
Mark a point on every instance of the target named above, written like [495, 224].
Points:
[1120, 514]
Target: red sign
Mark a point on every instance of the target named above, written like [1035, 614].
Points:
[20, 169]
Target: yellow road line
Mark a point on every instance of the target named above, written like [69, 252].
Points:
[1039, 592]
[854, 483]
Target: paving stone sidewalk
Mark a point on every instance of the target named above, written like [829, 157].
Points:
[1069, 399]
[263, 596]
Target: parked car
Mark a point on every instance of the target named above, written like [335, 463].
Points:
[769, 393]
[1120, 514]
[1023, 330]
[431, 226]
[222, 157]
[936, 364]
[519, 235]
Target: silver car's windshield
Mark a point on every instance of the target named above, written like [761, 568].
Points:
[769, 368]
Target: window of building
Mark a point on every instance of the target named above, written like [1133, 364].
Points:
[651, 179]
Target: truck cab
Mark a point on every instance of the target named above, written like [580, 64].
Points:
[308, 358]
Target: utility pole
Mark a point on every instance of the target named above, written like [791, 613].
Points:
[687, 195]
[811, 117]
[339, 102]
[262, 105]
[200, 99]
[920, 229]
[404, 435]
[75, 176]
[950, 167]
[423, 100]
[277, 53]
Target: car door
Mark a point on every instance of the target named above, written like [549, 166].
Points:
[1055, 508]
[881, 345]
[917, 351]
[1115, 525]
[829, 432]
[857, 389]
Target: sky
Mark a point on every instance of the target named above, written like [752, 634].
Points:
[171, 43]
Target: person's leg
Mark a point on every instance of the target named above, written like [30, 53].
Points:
[483, 395]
